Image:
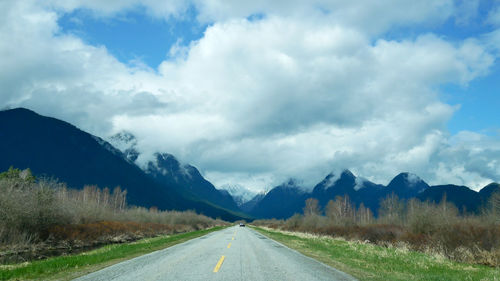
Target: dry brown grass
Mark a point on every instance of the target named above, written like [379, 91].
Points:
[436, 229]
[44, 213]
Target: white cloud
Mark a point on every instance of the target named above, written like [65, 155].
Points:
[372, 17]
[492, 39]
[110, 8]
[60, 75]
[469, 159]
[494, 16]
[251, 181]
[255, 102]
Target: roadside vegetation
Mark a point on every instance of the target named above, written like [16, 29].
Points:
[435, 229]
[367, 261]
[42, 217]
[69, 267]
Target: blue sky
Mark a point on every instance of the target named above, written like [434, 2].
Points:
[134, 35]
[479, 104]
[479, 100]
[253, 93]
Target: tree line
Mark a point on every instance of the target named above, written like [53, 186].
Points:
[34, 210]
[436, 228]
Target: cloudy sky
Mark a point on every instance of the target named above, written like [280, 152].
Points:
[255, 92]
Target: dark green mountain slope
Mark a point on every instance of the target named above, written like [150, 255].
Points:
[55, 148]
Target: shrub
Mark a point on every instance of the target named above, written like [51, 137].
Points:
[35, 210]
[422, 226]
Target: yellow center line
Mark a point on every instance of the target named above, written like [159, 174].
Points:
[219, 264]
[232, 238]
[229, 245]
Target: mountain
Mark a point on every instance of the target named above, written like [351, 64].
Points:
[167, 169]
[370, 195]
[281, 202]
[334, 185]
[54, 148]
[250, 205]
[287, 199]
[127, 143]
[240, 194]
[406, 185]
[359, 190]
[485, 192]
[464, 198]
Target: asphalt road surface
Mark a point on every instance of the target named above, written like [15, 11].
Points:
[235, 253]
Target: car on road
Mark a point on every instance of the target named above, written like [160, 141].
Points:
[242, 224]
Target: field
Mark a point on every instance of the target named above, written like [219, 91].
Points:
[40, 218]
[366, 261]
[436, 229]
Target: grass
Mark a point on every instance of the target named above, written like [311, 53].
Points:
[69, 267]
[371, 262]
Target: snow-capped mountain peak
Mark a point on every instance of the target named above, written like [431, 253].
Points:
[126, 143]
[239, 193]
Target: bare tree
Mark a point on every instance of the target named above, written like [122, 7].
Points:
[495, 205]
[364, 215]
[392, 210]
[311, 208]
[341, 211]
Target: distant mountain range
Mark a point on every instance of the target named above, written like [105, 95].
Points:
[287, 199]
[54, 148]
[240, 194]
[166, 169]
[280, 202]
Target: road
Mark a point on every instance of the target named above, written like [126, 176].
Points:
[235, 253]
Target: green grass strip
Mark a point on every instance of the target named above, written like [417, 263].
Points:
[69, 267]
[370, 262]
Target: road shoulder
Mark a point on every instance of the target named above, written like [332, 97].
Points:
[70, 267]
[371, 262]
